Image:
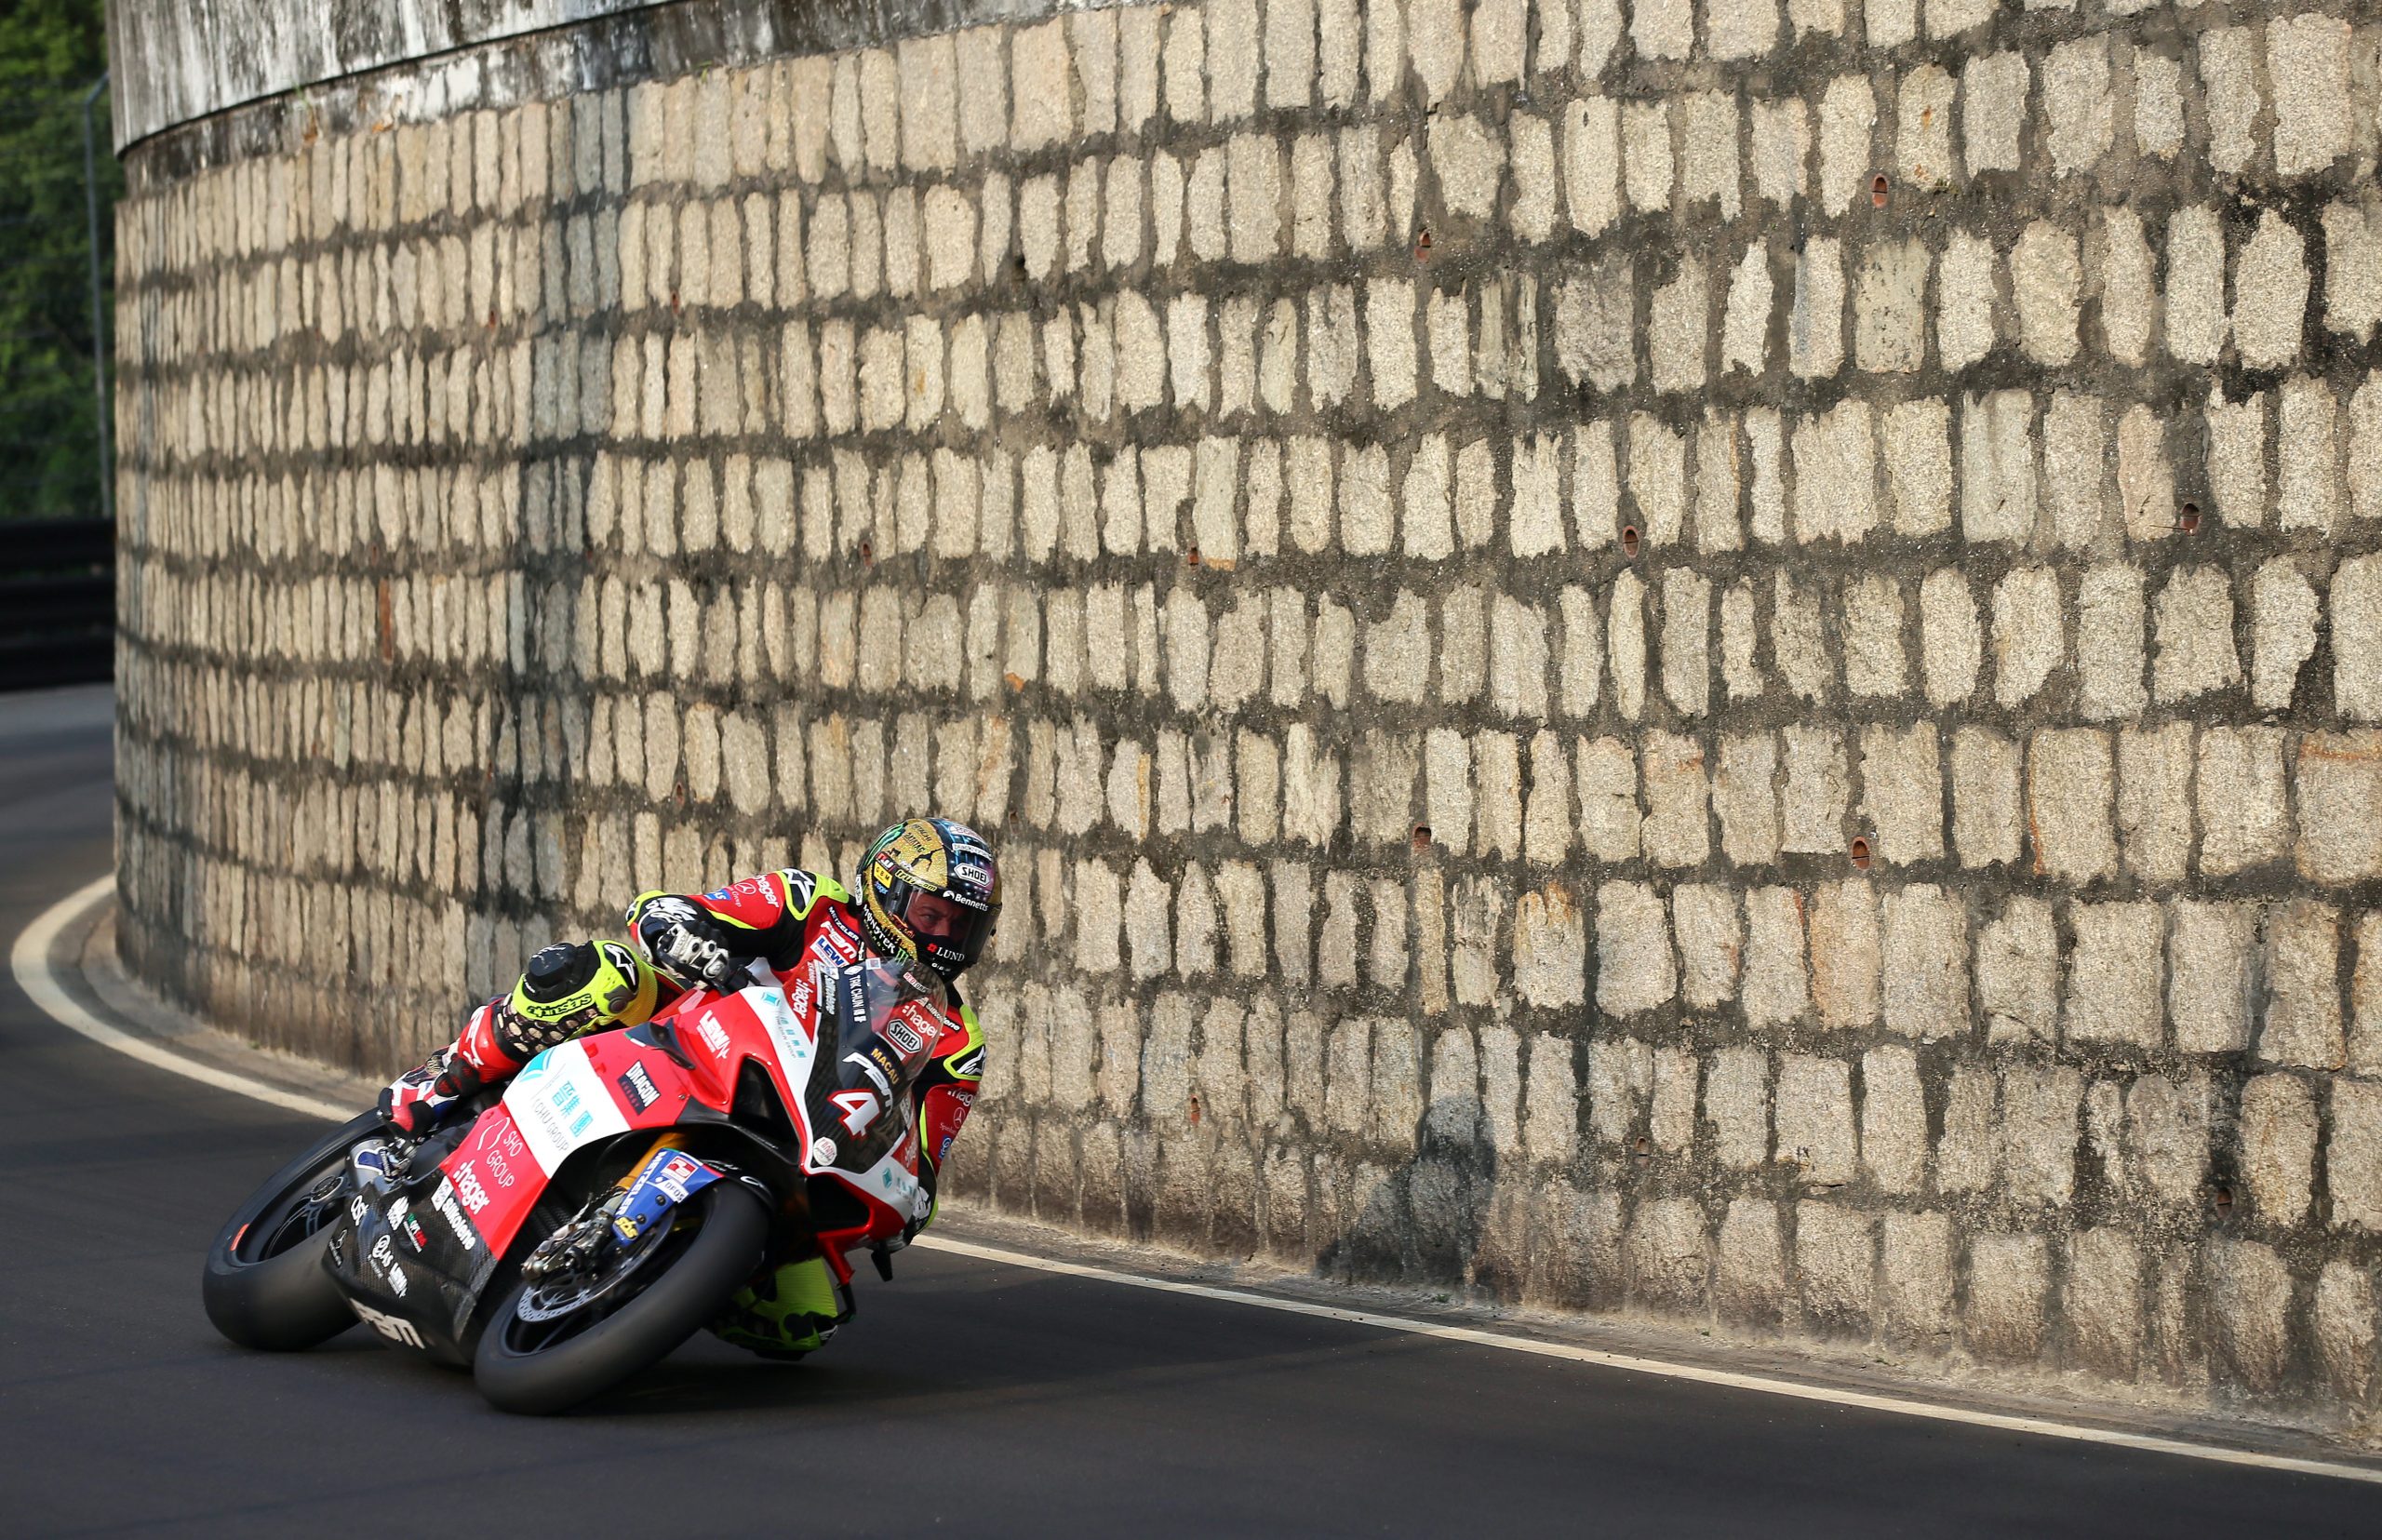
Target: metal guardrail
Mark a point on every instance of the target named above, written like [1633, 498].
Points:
[57, 602]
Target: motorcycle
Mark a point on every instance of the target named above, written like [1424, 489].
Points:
[572, 1227]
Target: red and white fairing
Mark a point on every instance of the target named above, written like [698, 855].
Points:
[592, 1088]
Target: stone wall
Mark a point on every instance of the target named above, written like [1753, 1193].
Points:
[1706, 660]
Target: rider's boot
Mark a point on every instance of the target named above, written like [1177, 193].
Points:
[790, 1311]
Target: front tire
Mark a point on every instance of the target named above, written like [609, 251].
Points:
[531, 1368]
[265, 1285]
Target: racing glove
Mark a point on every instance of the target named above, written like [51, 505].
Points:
[684, 941]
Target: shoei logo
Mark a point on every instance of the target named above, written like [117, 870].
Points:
[897, 1033]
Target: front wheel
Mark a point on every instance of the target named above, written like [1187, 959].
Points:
[266, 1286]
[554, 1341]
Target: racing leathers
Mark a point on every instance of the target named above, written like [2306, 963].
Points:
[782, 917]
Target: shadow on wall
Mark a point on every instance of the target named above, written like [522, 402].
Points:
[1439, 1219]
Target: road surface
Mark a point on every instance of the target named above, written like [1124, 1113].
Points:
[971, 1398]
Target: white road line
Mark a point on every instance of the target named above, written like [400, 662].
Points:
[30, 960]
[1763, 1384]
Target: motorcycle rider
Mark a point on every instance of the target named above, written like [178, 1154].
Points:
[928, 892]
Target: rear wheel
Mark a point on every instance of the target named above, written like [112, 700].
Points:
[609, 1309]
[265, 1285]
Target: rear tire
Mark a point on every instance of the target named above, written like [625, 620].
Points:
[538, 1381]
[265, 1285]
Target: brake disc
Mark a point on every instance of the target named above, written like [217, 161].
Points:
[580, 1273]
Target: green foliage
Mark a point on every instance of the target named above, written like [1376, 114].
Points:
[51, 52]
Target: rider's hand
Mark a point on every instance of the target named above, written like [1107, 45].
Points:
[685, 943]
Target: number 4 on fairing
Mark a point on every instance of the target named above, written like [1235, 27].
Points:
[859, 1108]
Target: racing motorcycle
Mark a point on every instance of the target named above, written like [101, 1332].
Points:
[570, 1228]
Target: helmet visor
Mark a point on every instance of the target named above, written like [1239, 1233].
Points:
[950, 934]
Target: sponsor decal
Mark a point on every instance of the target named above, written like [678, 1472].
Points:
[561, 1103]
[402, 1221]
[384, 1254]
[512, 1141]
[841, 942]
[794, 1049]
[868, 1067]
[968, 871]
[671, 1176]
[972, 1068]
[468, 1186]
[668, 1177]
[899, 1034]
[823, 1151]
[637, 1086]
[799, 1001]
[965, 1099]
[443, 1199]
[357, 1209]
[891, 1175]
[821, 977]
[886, 1061]
[714, 1036]
[397, 1330]
[720, 895]
[498, 1168]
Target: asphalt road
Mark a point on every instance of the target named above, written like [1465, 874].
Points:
[970, 1396]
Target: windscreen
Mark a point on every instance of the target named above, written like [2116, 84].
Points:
[879, 1028]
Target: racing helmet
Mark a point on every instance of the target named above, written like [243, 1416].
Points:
[929, 889]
